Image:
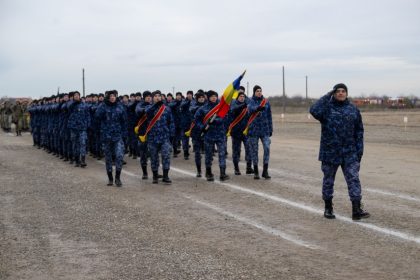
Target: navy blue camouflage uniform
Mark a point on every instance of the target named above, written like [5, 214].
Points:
[341, 143]
[260, 128]
[237, 132]
[215, 135]
[197, 138]
[112, 120]
[142, 147]
[158, 138]
[78, 123]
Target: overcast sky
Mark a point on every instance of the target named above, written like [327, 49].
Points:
[372, 46]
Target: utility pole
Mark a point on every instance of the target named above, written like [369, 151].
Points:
[247, 89]
[83, 78]
[58, 90]
[284, 94]
[306, 77]
[173, 91]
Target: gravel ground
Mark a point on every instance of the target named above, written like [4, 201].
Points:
[62, 222]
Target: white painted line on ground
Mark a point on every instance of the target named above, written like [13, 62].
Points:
[399, 195]
[299, 205]
[294, 175]
[383, 230]
[255, 224]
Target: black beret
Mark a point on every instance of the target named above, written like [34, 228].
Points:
[341, 85]
[211, 93]
[256, 88]
[146, 94]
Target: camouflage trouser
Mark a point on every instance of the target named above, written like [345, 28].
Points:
[221, 149]
[351, 174]
[132, 138]
[253, 147]
[78, 139]
[198, 143]
[236, 149]
[185, 143]
[143, 150]
[112, 148]
[177, 138]
[165, 150]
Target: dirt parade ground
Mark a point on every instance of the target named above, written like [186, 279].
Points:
[62, 222]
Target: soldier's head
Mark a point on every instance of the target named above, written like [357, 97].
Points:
[76, 96]
[212, 96]
[94, 98]
[199, 97]
[132, 97]
[241, 89]
[190, 95]
[89, 98]
[178, 96]
[111, 95]
[241, 96]
[147, 96]
[169, 97]
[101, 97]
[157, 96]
[340, 92]
[137, 96]
[257, 91]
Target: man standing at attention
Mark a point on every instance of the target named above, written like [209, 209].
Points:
[341, 145]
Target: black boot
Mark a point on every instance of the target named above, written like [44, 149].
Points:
[176, 152]
[329, 213]
[209, 174]
[223, 176]
[237, 171]
[77, 164]
[110, 179]
[117, 178]
[186, 155]
[265, 172]
[358, 212]
[256, 173]
[83, 162]
[145, 175]
[166, 179]
[155, 177]
[249, 169]
[134, 156]
[198, 171]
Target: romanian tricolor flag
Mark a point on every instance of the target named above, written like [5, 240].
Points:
[231, 92]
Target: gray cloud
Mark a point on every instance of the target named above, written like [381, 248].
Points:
[373, 46]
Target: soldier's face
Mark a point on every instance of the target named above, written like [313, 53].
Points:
[201, 99]
[157, 98]
[178, 97]
[169, 98]
[241, 98]
[76, 97]
[101, 98]
[258, 93]
[66, 98]
[189, 96]
[138, 98]
[95, 99]
[148, 99]
[340, 94]
[213, 98]
[112, 98]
